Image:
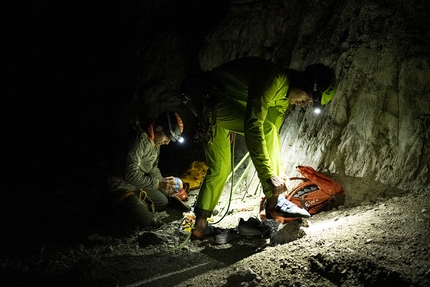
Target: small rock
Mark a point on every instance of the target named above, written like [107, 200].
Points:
[245, 275]
[329, 244]
[149, 238]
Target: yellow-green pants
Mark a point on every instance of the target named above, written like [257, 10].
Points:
[230, 117]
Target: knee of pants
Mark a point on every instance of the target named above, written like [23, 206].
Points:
[160, 202]
[157, 198]
[136, 211]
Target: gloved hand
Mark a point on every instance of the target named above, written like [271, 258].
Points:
[166, 184]
[277, 184]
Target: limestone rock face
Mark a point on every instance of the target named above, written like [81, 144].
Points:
[374, 135]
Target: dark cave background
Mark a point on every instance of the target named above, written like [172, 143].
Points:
[70, 72]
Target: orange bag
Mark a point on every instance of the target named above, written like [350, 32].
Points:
[317, 192]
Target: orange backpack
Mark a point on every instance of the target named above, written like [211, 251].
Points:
[317, 192]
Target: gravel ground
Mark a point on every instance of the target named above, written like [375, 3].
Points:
[384, 243]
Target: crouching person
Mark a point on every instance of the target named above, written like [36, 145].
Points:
[138, 189]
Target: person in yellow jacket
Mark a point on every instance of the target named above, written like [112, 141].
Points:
[249, 96]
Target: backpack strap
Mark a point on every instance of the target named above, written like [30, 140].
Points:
[306, 182]
[299, 178]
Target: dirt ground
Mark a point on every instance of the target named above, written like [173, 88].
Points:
[384, 243]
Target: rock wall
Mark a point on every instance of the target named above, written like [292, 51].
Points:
[373, 136]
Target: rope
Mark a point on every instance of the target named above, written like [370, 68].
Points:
[163, 253]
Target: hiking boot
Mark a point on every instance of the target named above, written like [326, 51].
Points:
[250, 227]
[224, 235]
[288, 209]
[269, 227]
[202, 235]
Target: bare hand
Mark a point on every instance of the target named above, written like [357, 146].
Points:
[167, 184]
[277, 184]
[286, 179]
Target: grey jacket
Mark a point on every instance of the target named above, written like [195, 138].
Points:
[141, 166]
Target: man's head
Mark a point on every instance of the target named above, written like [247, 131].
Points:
[317, 84]
[321, 84]
[169, 127]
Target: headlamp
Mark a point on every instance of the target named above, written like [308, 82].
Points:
[322, 85]
[317, 107]
[316, 98]
[172, 132]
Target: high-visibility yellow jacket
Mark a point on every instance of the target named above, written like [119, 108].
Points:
[261, 87]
